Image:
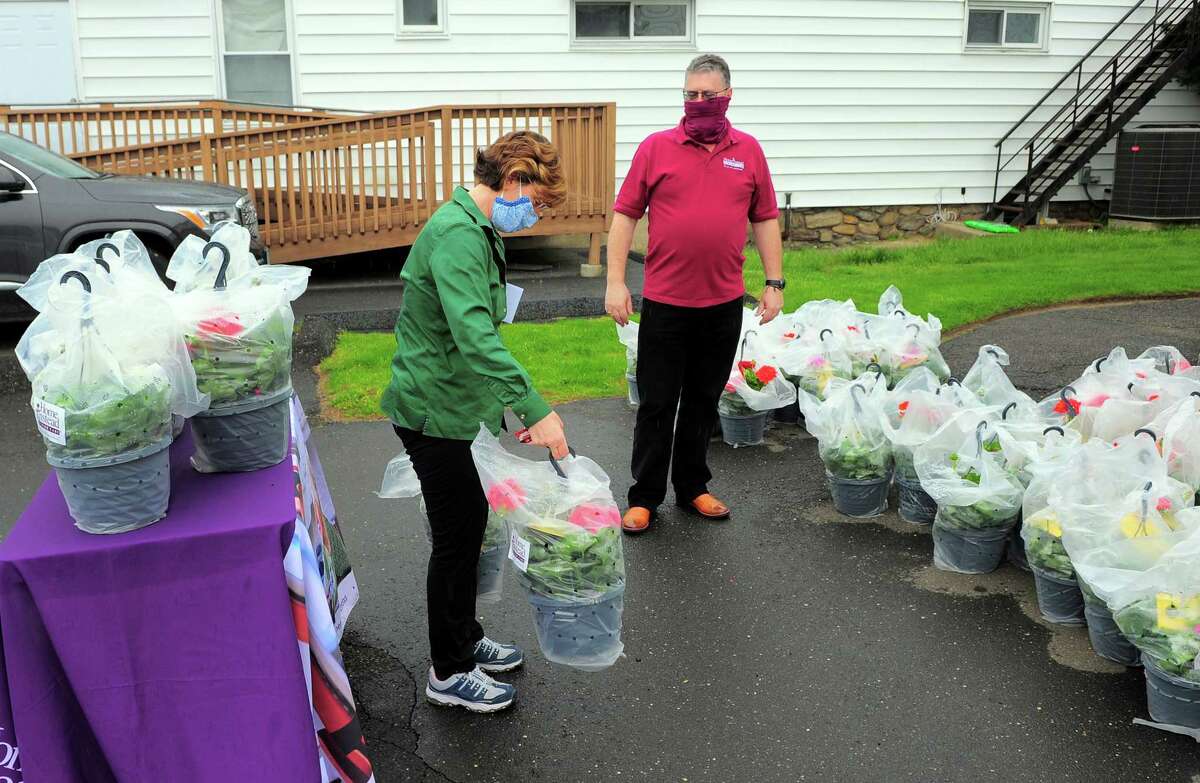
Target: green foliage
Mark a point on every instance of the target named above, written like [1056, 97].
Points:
[853, 459]
[105, 420]
[1174, 651]
[234, 368]
[576, 564]
[984, 515]
[1046, 551]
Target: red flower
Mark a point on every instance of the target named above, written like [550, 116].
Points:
[729, 388]
[903, 408]
[1152, 398]
[1067, 407]
[789, 335]
[766, 374]
[221, 325]
[747, 365]
[852, 328]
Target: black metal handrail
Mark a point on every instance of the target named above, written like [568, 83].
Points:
[1102, 88]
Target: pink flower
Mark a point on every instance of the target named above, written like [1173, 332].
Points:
[1182, 365]
[1164, 504]
[592, 517]
[506, 496]
[1097, 401]
[817, 361]
[729, 388]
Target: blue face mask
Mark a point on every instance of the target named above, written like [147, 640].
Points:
[511, 216]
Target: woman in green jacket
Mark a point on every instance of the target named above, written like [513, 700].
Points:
[450, 373]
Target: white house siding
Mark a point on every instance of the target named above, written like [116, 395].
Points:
[856, 102]
[132, 50]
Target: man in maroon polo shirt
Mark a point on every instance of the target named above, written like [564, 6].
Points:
[702, 182]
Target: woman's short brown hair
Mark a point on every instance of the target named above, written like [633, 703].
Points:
[527, 156]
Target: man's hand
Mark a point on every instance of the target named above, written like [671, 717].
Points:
[548, 433]
[769, 305]
[618, 303]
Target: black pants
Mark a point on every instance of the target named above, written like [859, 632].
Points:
[457, 510]
[684, 358]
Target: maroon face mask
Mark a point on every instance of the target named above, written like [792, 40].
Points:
[704, 121]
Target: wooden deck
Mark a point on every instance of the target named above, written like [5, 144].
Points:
[328, 184]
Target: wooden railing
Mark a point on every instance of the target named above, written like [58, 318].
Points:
[78, 128]
[335, 186]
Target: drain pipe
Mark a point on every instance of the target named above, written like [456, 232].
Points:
[787, 216]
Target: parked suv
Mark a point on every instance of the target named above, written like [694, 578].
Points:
[50, 204]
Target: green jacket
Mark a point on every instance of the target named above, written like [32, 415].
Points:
[451, 371]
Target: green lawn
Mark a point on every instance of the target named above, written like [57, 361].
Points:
[959, 281]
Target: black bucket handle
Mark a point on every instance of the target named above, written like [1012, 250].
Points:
[857, 387]
[1145, 431]
[823, 332]
[992, 352]
[1007, 408]
[75, 274]
[99, 255]
[979, 429]
[878, 369]
[558, 468]
[219, 284]
[1054, 428]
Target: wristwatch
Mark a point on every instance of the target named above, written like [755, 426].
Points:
[779, 285]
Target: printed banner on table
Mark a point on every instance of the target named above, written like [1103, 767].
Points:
[323, 591]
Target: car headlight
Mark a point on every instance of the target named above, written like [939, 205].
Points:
[204, 217]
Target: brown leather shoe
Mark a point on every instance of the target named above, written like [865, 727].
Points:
[707, 506]
[637, 520]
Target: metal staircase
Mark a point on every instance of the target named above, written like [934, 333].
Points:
[1104, 96]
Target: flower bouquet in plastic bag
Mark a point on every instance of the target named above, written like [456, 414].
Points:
[1102, 402]
[811, 365]
[238, 321]
[979, 501]
[916, 344]
[856, 453]
[911, 416]
[105, 418]
[565, 544]
[752, 391]
[628, 337]
[1152, 586]
[988, 381]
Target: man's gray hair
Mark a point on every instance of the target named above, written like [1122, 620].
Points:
[710, 63]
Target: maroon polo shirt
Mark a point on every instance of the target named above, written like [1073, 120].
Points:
[700, 203]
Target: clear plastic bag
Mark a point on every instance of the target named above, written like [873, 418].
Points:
[916, 344]
[1167, 359]
[1180, 437]
[1041, 530]
[961, 468]
[910, 418]
[567, 526]
[237, 317]
[1101, 403]
[988, 381]
[812, 364]
[754, 388]
[628, 337]
[849, 428]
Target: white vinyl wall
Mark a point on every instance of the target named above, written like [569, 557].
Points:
[856, 102]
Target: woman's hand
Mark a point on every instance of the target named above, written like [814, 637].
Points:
[618, 303]
[549, 434]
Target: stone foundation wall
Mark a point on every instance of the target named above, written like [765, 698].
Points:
[849, 225]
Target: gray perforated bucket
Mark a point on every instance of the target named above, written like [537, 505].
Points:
[635, 397]
[1016, 550]
[584, 633]
[1172, 700]
[859, 497]
[117, 498]
[1059, 600]
[788, 414]
[1107, 639]
[968, 551]
[744, 430]
[914, 503]
[491, 574]
[242, 441]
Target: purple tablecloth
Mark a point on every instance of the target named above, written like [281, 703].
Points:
[164, 654]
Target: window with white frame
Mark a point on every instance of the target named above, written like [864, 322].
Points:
[256, 51]
[645, 22]
[1018, 26]
[417, 18]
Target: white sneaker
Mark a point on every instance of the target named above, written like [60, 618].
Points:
[471, 690]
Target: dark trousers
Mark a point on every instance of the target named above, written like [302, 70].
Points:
[457, 510]
[684, 358]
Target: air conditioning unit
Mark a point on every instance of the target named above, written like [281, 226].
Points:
[1157, 174]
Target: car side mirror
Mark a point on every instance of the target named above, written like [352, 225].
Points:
[10, 181]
